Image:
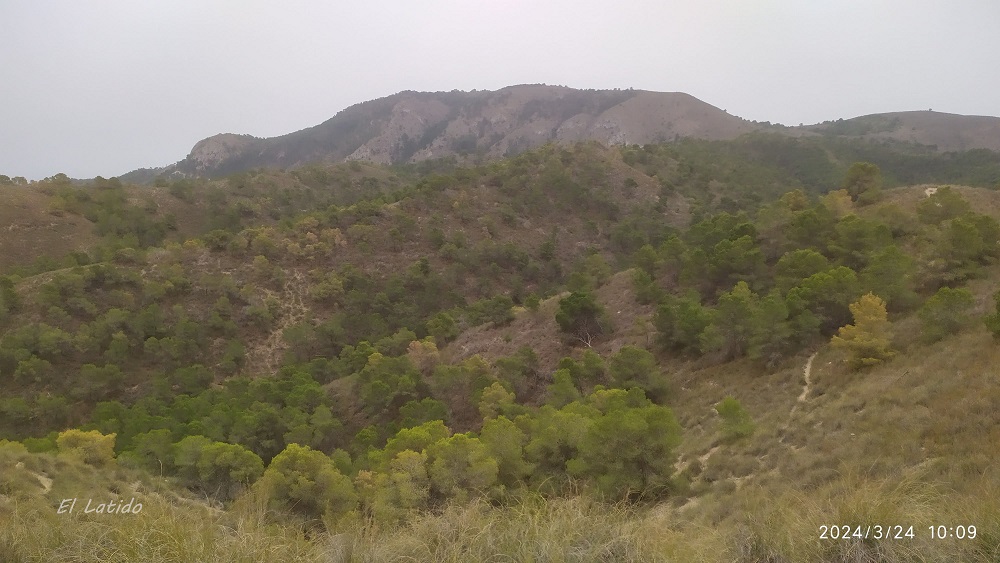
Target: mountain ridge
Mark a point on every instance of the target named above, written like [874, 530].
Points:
[411, 126]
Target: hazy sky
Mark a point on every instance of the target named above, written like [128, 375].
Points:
[104, 87]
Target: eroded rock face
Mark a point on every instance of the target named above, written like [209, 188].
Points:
[408, 122]
[210, 153]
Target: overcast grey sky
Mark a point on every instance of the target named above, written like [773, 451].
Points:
[104, 87]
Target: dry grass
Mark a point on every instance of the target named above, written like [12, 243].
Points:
[28, 229]
[174, 527]
[168, 528]
[573, 529]
[908, 442]
[789, 527]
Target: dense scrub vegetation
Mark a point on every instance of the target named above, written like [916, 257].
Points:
[305, 348]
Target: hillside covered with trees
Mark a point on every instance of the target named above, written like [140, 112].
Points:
[700, 350]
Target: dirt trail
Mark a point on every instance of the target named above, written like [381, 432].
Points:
[807, 373]
[682, 464]
[266, 356]
[703, 458]
[803, 396]
[45, 481]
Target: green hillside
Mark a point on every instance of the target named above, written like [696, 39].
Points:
[689, 351]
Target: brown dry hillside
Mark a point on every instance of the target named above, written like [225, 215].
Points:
[35, 221]
[651, 117]
[30, 228]
[538, 329]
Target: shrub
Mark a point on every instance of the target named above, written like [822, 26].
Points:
[307, 482]
[736, 422]
[460, 465]
[628, 451]
[946, 312]
[216, 467]
[91, 447]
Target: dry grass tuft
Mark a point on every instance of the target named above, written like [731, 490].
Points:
[572, 529]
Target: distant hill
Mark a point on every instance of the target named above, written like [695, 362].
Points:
[416, 126]
[945, 131]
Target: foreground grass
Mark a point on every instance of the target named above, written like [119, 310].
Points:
[572, 529]
[759, 527]
[163, 531]
[788, 528]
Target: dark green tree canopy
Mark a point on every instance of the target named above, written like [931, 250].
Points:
[582, 317]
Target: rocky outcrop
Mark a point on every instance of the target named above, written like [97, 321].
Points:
[210, 153]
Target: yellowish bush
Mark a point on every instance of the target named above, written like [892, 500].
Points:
[91, 447]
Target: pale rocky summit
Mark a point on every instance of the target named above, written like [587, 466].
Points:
[213, 151]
